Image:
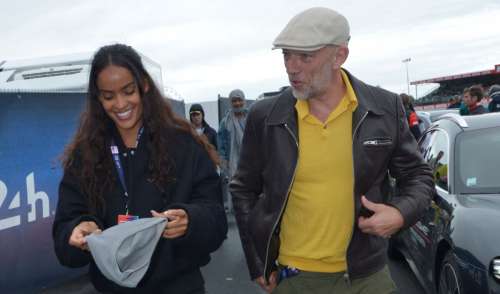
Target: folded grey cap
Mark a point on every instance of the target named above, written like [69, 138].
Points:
[314, 29]
[123, 252]
[237, 93]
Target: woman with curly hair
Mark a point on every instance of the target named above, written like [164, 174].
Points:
[132, 156]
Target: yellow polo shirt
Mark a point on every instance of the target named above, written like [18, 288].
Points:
[318, 220]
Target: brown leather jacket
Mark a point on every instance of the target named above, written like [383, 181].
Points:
[382, 144]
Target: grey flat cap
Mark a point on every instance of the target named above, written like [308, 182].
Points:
[123, 252]
[237, 93]
[314, 29]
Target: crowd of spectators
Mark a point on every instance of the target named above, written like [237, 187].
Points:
[477, 100]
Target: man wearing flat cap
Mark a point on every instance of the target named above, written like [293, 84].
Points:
[311, 192]
[230, 137]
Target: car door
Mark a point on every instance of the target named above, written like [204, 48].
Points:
[435, 147]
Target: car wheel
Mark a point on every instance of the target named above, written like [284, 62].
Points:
[449, 277]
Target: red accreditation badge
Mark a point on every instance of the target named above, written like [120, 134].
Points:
[123, 218]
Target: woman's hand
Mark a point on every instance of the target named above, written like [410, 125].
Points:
[77, 238]
[177, 224]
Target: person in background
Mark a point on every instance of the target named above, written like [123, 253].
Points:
[472, 98]
[411, 115]
[311, 192]
[454, 102]
[494, 94]
[230, 137]
[128, 160]
[197, 118]
[463, 109]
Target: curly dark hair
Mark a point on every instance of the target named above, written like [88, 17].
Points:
[87, 156]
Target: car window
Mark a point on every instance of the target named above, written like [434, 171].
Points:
[435, 149]
[478, 161]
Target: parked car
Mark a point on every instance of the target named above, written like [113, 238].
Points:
[426, 118]
[434, 115]
[455, 246]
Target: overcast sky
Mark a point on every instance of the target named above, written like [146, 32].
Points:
[208, 48]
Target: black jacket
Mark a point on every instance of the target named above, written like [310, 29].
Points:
[210, 133]
[494, 105]
[382, 142]
[196, 189]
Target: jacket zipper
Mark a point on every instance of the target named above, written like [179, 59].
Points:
[346, 275]
[378, 142]
[284, 203]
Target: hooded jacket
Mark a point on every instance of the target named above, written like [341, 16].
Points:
[207, 129]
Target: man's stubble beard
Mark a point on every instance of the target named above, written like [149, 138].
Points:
[319, 83]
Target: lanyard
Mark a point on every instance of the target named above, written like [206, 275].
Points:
[119, 168]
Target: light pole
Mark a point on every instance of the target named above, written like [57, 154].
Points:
[406, 61]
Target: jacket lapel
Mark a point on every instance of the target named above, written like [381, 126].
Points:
[367, 102]
[283, 112]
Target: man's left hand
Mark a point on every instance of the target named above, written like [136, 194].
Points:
[385, 221]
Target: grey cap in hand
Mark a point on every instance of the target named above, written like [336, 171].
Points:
[123, 252]
[314, 29]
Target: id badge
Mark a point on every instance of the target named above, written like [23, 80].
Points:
[123, 218]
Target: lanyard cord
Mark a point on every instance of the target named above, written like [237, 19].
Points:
[119, 168]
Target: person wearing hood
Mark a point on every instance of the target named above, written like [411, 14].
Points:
[230, 136]
[494, 94]
[231, 130]
[197, 118]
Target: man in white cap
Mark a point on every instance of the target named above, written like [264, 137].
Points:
[311, 192]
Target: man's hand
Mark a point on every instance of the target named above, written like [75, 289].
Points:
[177, 224]
[267, 286]
[385, 221]
[79, 233]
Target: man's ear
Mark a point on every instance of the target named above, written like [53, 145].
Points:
[341, 55]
